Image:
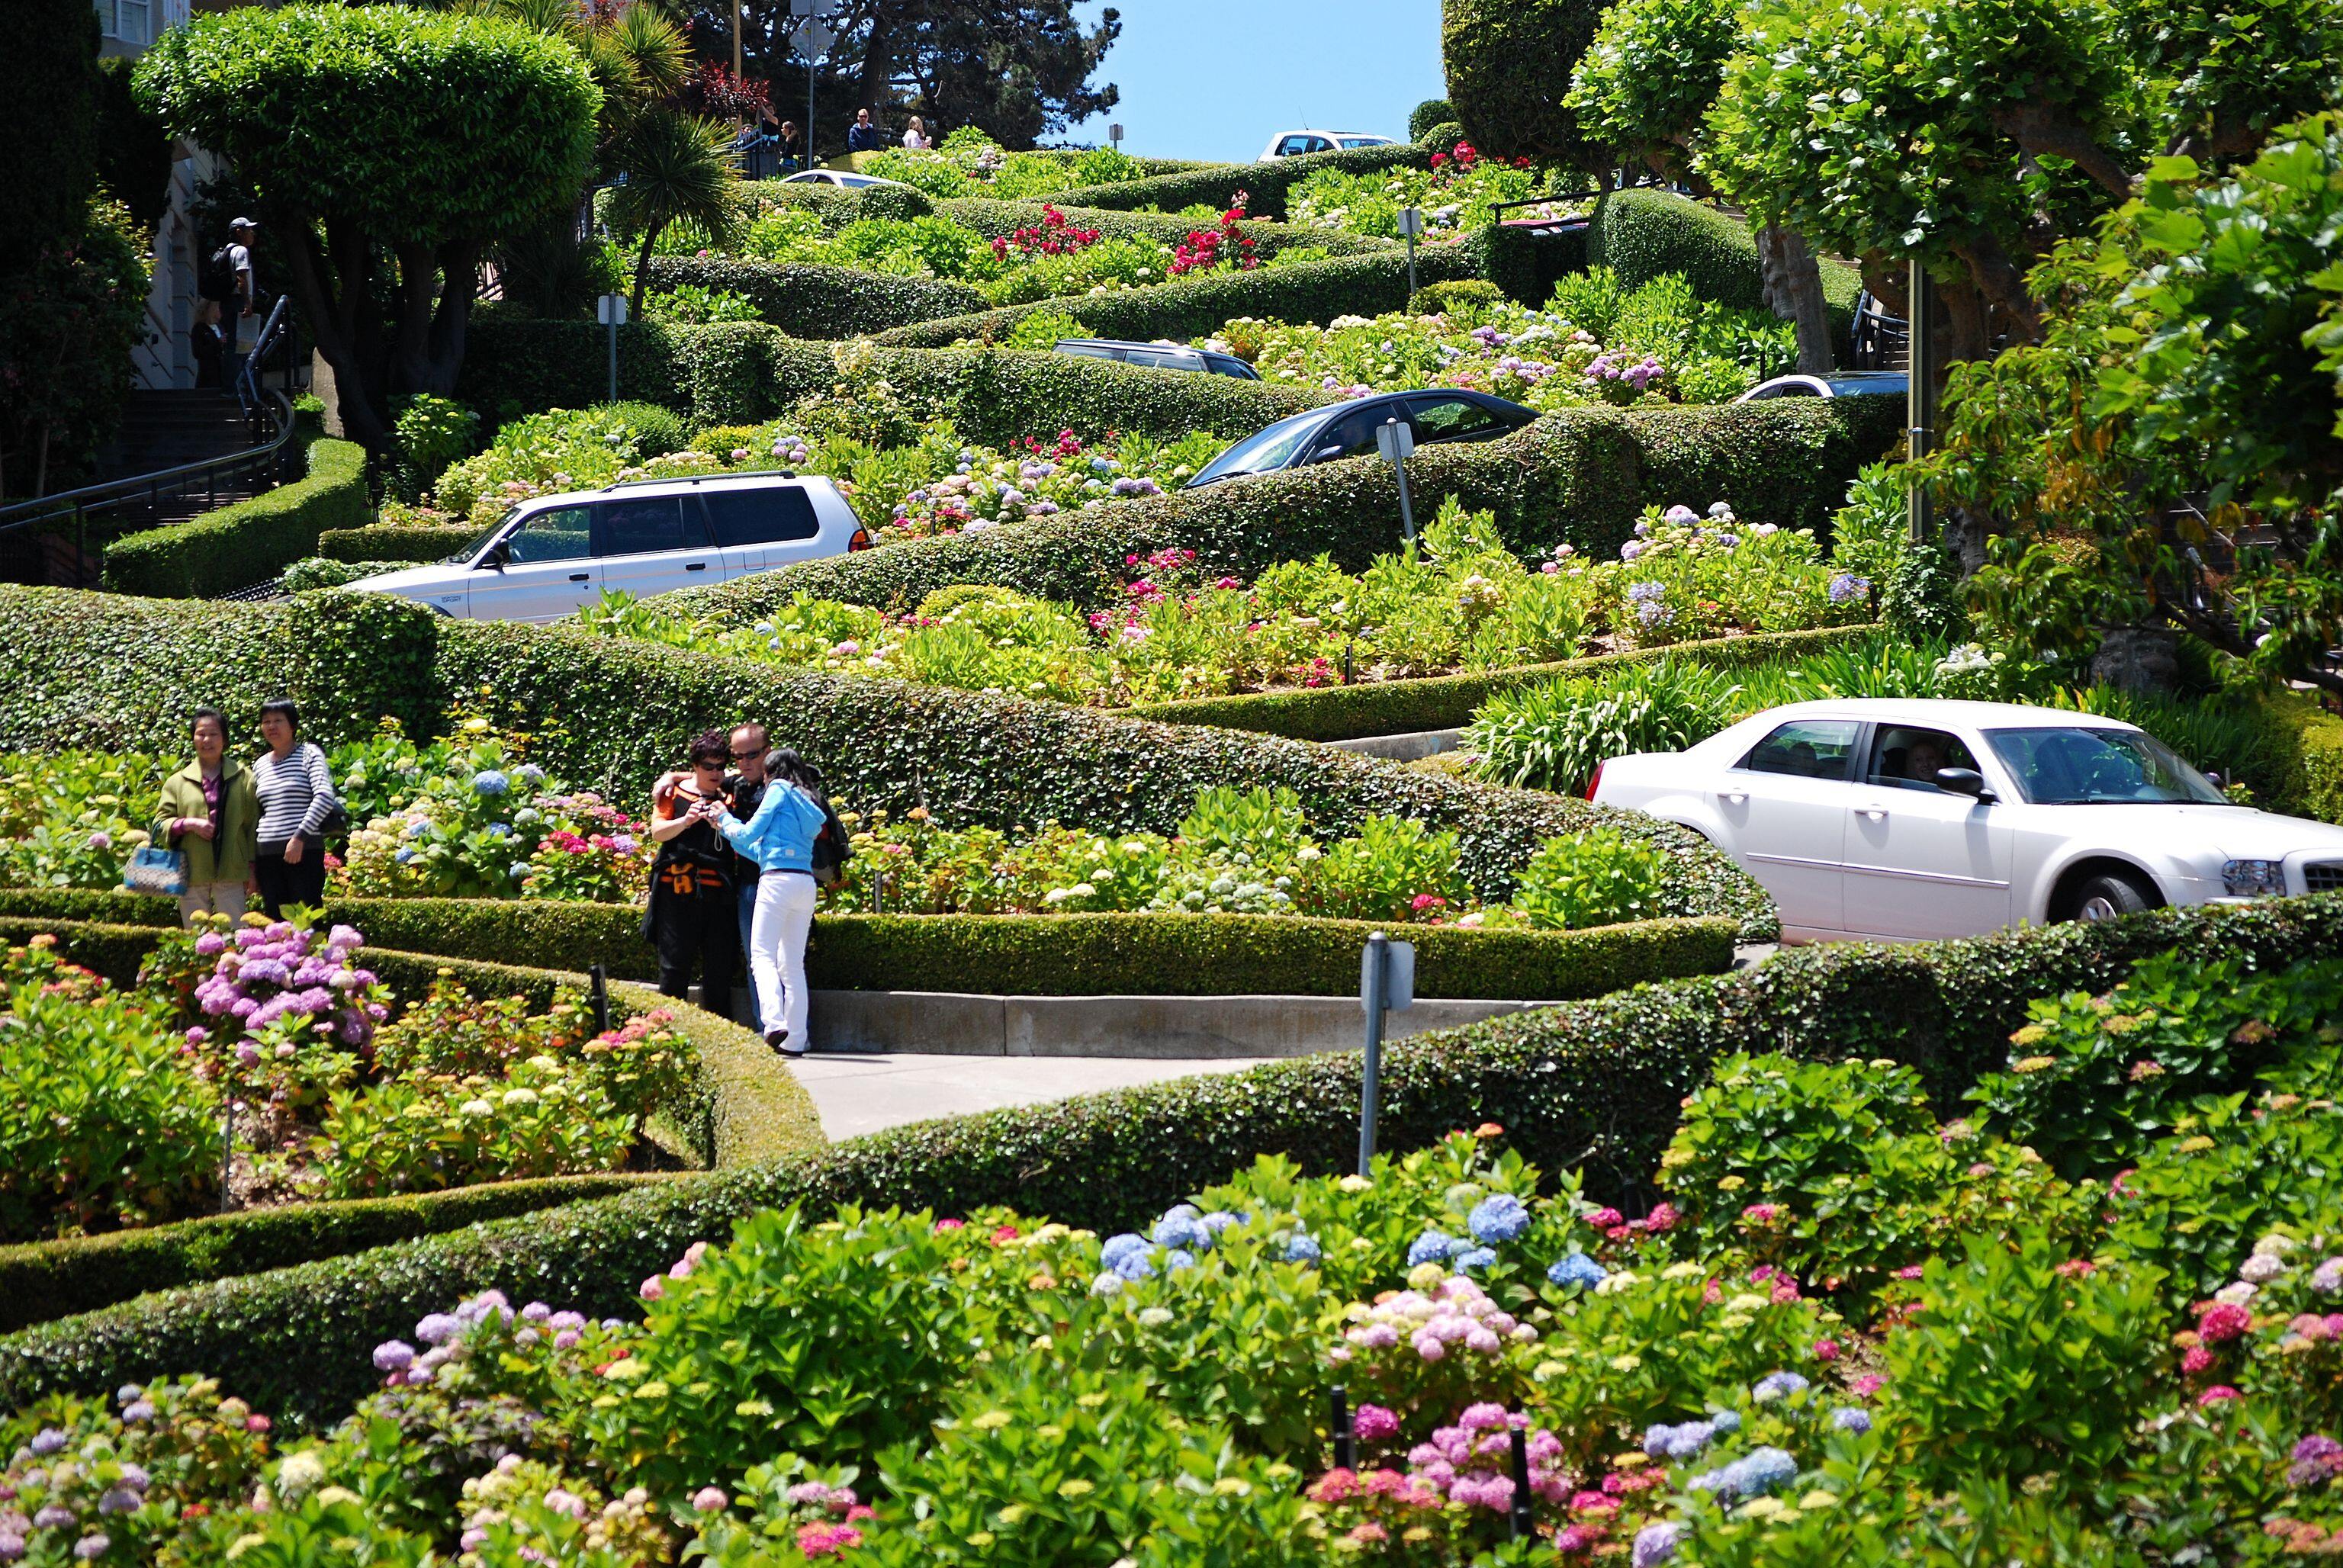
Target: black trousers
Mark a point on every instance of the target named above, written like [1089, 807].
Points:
[702, 929]
[282, 883]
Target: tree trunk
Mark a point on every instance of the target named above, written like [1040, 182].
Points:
[643, 267]
[1794, 289]
[2143, 660]
[2040, 130]
[334, 330]
[459, 268]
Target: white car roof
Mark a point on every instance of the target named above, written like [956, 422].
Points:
[688, 485]
[1316, 131]
[1938, 712]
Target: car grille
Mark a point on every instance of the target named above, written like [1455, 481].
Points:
[2326, 877]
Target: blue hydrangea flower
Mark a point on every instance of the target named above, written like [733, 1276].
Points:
[404, 855]
[1777, 1385]
[1304, 1249]
[1220, 1220]
[1664, 1441]
[1655, 1543]
[499, 829]
[1473, 1260]
[1139, 1265]
[48, 1441]
[1848, 1418]
[520, 868]
[1184, 1231]
[1847, 586]
[1766, 1469]
[1724, 1420]
[1117, 1248]
[489, 781]
[1431, 1247]
[1500, 1217]
[416, 830]
[530, 773]
[1178, 1259]
[1576, 1268]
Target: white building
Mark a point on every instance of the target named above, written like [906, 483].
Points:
[164, 360]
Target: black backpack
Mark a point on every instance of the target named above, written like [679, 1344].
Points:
[216, 281]
[831, 848]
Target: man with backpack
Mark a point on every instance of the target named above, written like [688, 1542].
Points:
[227, 281]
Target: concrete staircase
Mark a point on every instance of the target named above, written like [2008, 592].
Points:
[165, 429]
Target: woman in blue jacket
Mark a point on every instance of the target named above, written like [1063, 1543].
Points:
[780, 839]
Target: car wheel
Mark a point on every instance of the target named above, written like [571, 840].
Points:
[2108, 896]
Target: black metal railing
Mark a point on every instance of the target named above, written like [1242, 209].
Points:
[113, 505]
[1879, 341]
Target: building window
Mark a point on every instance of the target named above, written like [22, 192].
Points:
[129, 21]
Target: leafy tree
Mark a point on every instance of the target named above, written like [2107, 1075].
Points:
[376, 131]
[1975, 134]
[2170, 453]
[1644, 86]
[68, 325]
[134, 150]
[1508, 63]
[48, 79]
[676, 171]
[1018, 70]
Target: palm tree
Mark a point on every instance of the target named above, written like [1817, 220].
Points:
[678, 169]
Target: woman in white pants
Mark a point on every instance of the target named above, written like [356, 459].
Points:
[780, 839]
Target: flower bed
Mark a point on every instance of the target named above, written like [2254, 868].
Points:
[1457, 601]
[1811, 1345]
[971, 163]
[267, 1058]
[1457, 194]
[1596, 342]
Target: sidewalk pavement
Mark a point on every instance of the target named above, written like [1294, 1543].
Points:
[858, 1092]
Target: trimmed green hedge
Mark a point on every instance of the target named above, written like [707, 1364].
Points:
[1447, 701]
[820, 302]
[990, 758]
[1583, 475]
[44, 1281]
[1593, 1082]
[1527, 265]
[741, 373]
[1315, 291]
[395, 542]
[2313, 787]
[1133, 954]
[248, 542]
[1266, 183]
[1641, 233]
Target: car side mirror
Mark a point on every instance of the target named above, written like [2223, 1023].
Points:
[498, 554]
[1964, 781]
[1322, 453]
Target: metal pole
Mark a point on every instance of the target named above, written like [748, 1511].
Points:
[1523, 1524]
[736, 40]
[1346, 1445]
[1411, 263]
[1406, 508]
[614, 359]
[808, 161]
[1921, 399]
[227, 1149]
[1370, 997]
[599, 993]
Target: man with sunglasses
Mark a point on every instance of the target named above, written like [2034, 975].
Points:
[693, 917]
[744, 789]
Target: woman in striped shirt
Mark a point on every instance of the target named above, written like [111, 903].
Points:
[297, 795]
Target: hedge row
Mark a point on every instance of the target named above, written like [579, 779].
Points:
[1023, 955]
[1583, 475]
[742, 1107]
[997, 219]
[1266, 184]
[106, 670]
[1593, 1082]
[395, 542]
[741, 373]
[1641, 233]
[2313, 785]
[1447, 701]
[251, 541]
[1187, 308]
[1526, 264]
[809, 301]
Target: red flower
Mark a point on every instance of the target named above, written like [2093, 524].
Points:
[2224, 1321]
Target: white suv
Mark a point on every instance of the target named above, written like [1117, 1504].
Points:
[550, 557]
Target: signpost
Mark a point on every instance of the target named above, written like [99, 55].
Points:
[1386, 984]
[610, 310]
[1395, 439]
[1114, 134]
[1410, 225]
[813, 35]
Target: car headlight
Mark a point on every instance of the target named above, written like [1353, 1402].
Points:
[2253, 878]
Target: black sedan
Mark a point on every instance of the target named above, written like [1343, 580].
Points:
[1348, 430]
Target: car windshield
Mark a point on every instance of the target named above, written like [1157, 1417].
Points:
[1263, 451]
[479, 542]
[2072, 765]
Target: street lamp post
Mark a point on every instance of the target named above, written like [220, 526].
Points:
[814, 35]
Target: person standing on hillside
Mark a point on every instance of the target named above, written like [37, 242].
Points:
[779, 838]
[694, 918]
[242, 308]
[864, 136]
[210, 813]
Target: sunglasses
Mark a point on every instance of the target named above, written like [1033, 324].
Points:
[744, 756]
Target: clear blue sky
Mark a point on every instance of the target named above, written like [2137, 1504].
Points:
[1217, 78]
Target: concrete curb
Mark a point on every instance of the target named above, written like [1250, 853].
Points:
[1412, 747]
[1135, 1028]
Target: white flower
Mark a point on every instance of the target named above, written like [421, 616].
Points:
[300, 1473]
[2236, 1295]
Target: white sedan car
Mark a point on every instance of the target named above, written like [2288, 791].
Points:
[1905, 820]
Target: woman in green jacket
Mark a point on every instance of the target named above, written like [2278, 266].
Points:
[211, 814]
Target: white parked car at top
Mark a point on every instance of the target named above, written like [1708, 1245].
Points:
[1294, 144]
[1905, 819]
[552, 556]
